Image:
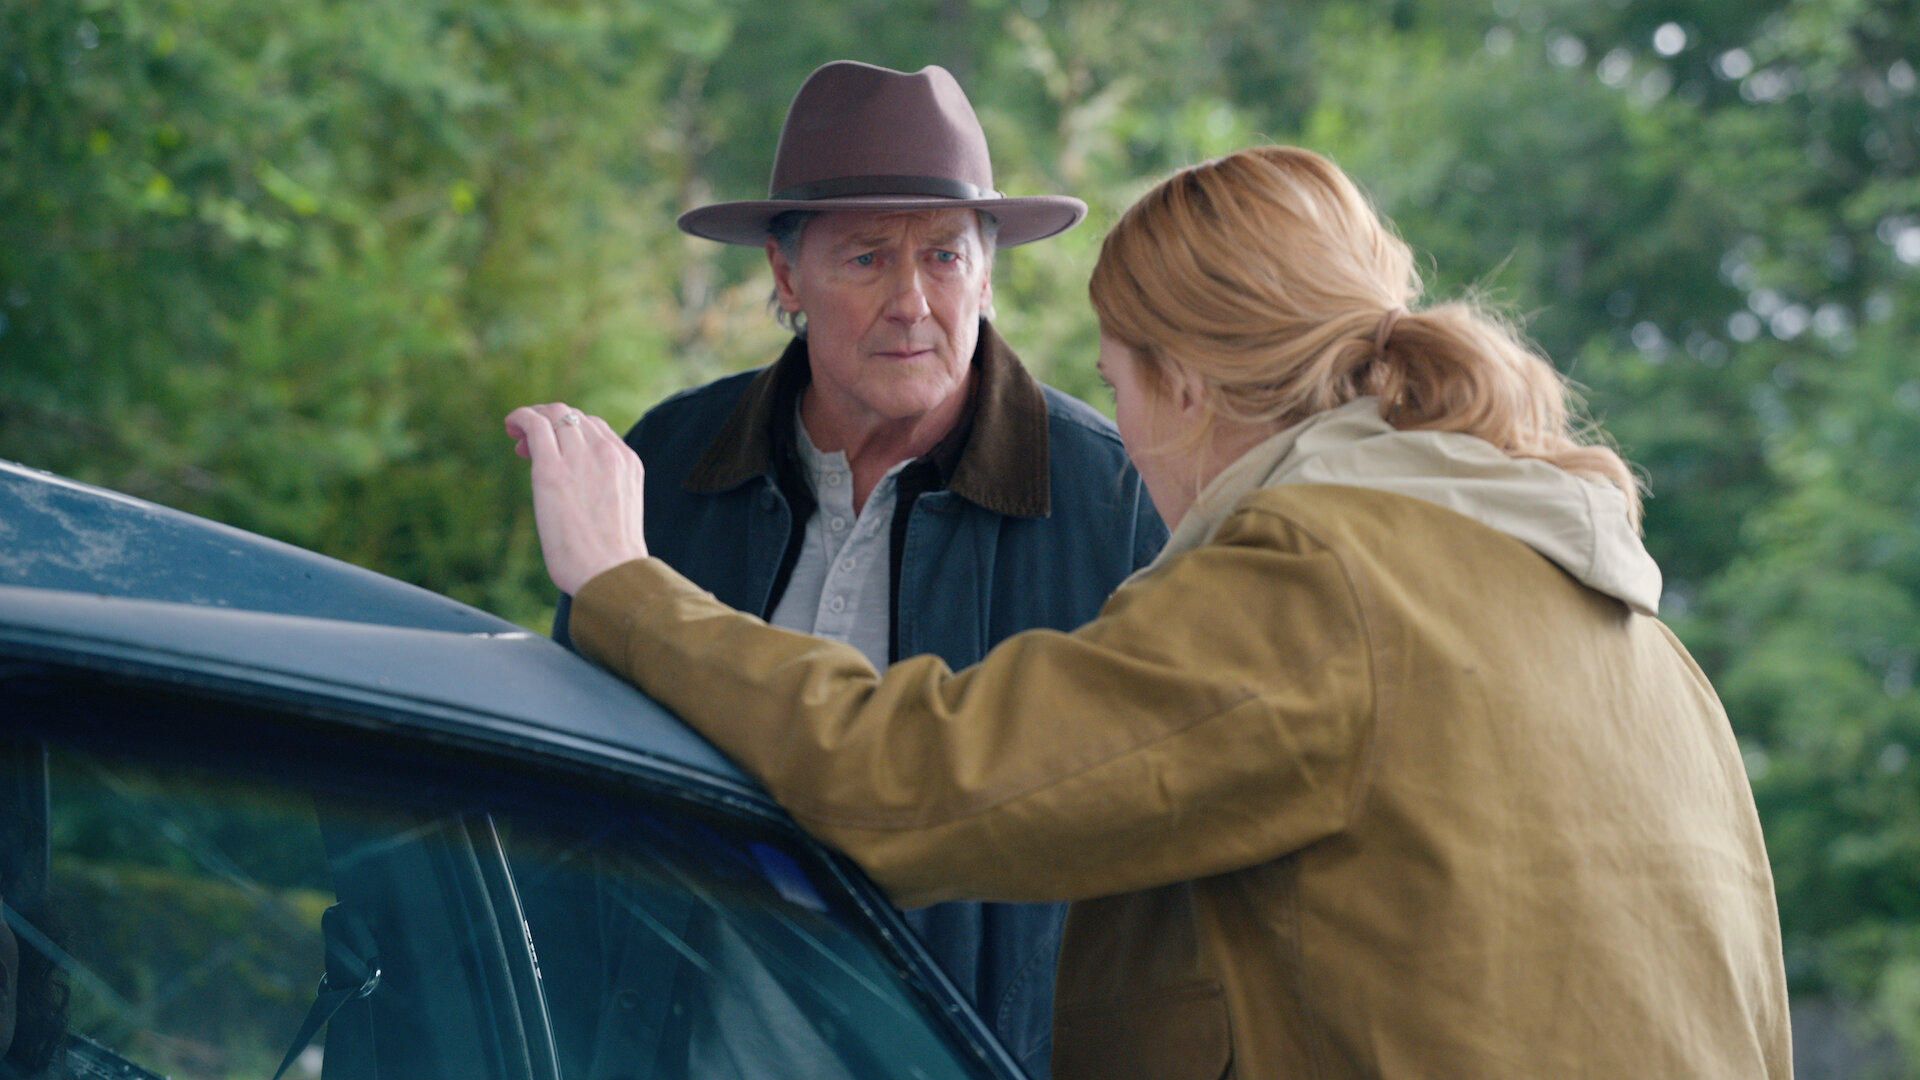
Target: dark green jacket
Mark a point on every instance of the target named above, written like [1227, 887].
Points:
[1029, 518]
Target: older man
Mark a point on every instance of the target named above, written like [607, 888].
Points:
[896, 479]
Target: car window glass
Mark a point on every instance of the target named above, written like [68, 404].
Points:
[500, 927]
[705, 956]
[184, 916]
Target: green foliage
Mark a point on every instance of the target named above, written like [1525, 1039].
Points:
[287, 263]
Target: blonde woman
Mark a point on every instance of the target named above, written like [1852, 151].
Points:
[1385, 768]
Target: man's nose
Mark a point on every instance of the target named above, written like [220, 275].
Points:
[909, 301]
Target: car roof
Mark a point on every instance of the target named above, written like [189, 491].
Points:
[93, 577]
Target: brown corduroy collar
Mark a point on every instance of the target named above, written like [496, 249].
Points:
[1002, 468]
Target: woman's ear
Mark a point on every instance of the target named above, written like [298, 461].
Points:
[1188, 392]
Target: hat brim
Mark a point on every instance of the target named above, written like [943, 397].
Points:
[1022, 220]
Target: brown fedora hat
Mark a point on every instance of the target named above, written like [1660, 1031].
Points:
[860, 137]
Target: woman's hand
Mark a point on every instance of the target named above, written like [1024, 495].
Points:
[588, 492]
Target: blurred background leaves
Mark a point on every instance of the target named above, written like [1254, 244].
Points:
[287, 263]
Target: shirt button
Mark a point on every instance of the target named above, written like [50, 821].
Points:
[834, 478]
[848, 564]
[837, 605]
[838, 523]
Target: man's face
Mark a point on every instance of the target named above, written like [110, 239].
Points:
[893, 305]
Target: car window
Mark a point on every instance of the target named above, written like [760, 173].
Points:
[205, 864]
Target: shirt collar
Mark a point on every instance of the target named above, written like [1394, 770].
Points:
[817, 463]
[996, 457]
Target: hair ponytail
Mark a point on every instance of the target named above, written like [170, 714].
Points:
[1269, 276]
[1460, 367]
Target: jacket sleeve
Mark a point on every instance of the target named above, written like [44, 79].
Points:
[1214, 716]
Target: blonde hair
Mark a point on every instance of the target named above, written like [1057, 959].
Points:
[1269, 277]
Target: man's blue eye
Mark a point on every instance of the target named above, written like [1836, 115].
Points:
[947, 256]
[863, 260]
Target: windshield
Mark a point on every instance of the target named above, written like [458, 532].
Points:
[200, 867]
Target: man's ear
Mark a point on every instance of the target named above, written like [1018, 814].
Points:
[986, 294]
[783, 287]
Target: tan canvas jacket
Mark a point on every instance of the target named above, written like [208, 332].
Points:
[1358, 787]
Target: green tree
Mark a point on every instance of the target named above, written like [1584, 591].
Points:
[287, 263]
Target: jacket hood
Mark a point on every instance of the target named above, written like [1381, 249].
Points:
[1579, 523]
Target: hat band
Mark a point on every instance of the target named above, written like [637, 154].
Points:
[938, 186]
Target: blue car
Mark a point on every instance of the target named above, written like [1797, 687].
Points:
[266, 814]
